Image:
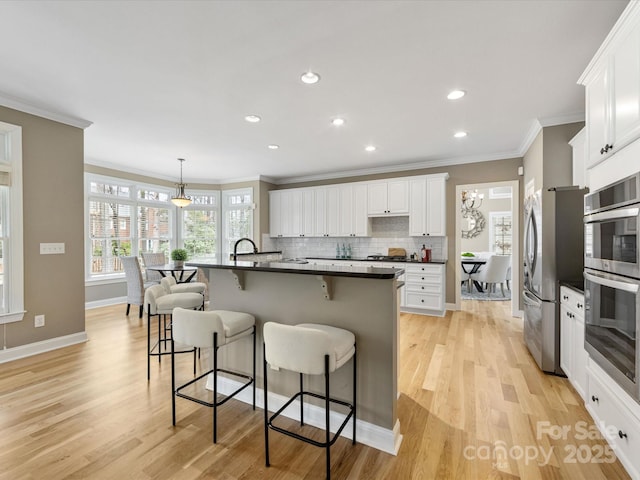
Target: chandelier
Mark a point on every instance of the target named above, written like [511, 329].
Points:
[471, 199]
[180, 199]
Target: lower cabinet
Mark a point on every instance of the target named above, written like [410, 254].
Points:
[617, 417]
[424, 288]
[573, 356]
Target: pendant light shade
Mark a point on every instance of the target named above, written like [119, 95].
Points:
[180, 199]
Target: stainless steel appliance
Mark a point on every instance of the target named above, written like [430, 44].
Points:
[553, 251]
[612, 228]
[612, 307]
[612, 280]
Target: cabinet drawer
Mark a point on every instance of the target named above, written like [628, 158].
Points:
[423, 288]
[618, 426]
[424, 300]
[423, 278]
[573, 300]
[424, 268]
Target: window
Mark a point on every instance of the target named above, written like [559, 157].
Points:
[11, 235]
[199, 226]
[237, 210]
[500, 232]
[125, 219]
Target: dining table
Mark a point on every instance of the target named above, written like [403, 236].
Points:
[470, 266]
[181, 274]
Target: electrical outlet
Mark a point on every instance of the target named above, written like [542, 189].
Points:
[39, 320]
[51, 248]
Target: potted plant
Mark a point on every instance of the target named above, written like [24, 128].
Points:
[179, 255]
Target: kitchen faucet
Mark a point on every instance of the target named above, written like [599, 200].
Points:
[235, 247]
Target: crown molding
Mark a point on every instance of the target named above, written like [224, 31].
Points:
[533, 132]
[562, 119]
[445, 162]
[628, 19]
[23, 106]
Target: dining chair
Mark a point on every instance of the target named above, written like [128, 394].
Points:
[136, 286]
[152, 259]
[494, 272]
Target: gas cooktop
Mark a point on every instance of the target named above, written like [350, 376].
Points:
[387, 258]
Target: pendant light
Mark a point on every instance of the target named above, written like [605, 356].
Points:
[181, 200]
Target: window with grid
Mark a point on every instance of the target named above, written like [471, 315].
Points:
[237, 210]
[199, 227]
[125, 219]
[11, 220]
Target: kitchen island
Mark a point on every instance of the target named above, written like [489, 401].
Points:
[363, 300]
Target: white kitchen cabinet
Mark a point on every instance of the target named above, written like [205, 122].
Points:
[353, 218]
[613, 95]
[579, 153]
[427, 203]
[573, 356]
[616, 416]
[424, 288]
[389, 197]
[327, 211]
[291, 213]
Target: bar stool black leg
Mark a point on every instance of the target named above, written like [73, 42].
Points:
[355, 353]
[327, 416]
[140, 312]
[266, 408]
[148, 343]
[173, 383]
[254, 367]
[215, 387]
[301, 401]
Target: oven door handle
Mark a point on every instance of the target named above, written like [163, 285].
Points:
[607, 282]
[611, 215]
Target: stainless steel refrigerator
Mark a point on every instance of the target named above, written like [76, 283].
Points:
[553, 252]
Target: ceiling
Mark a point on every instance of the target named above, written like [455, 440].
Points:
[160, 80]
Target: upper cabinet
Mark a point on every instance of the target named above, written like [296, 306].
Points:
[388, 197]
[612, 83]
[427, 215]
[344, 210]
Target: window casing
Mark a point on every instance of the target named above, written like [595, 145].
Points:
[237, 211]
[11, 221]
[124, 218]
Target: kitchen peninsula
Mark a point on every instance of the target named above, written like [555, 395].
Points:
[361, 299]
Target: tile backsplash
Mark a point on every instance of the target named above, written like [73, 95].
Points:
[386, 232]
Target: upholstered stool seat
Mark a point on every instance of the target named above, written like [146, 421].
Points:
[309, 349]
[161, 304]
[211, 329]
[171, 286]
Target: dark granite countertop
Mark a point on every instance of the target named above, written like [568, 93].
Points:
[305, 269]
[361, 259]
[577, 285]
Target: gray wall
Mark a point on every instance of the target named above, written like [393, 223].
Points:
[53, 156]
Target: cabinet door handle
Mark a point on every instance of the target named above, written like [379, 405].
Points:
[621, 434]
[423, 288]
[595, 399]
[564, 297]
[579, 305]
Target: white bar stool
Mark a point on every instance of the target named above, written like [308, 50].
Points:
[309, 349]
[211, 329]
[160, 303]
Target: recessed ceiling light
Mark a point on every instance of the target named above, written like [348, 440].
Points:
[337, 121]
[310, 78]
[252, 118]
[370, 148]
[456, 94]
[460, 134]
[273, 146]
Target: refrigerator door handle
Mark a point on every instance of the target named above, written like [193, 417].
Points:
[530, 299]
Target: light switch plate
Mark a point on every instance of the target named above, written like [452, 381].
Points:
[51, 248]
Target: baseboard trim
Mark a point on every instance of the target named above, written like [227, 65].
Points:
[35, 348]
[384, 439]
[106, 303]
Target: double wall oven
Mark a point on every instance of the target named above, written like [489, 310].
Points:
[612, 281]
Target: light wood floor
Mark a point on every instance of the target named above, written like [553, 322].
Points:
[468, 388]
